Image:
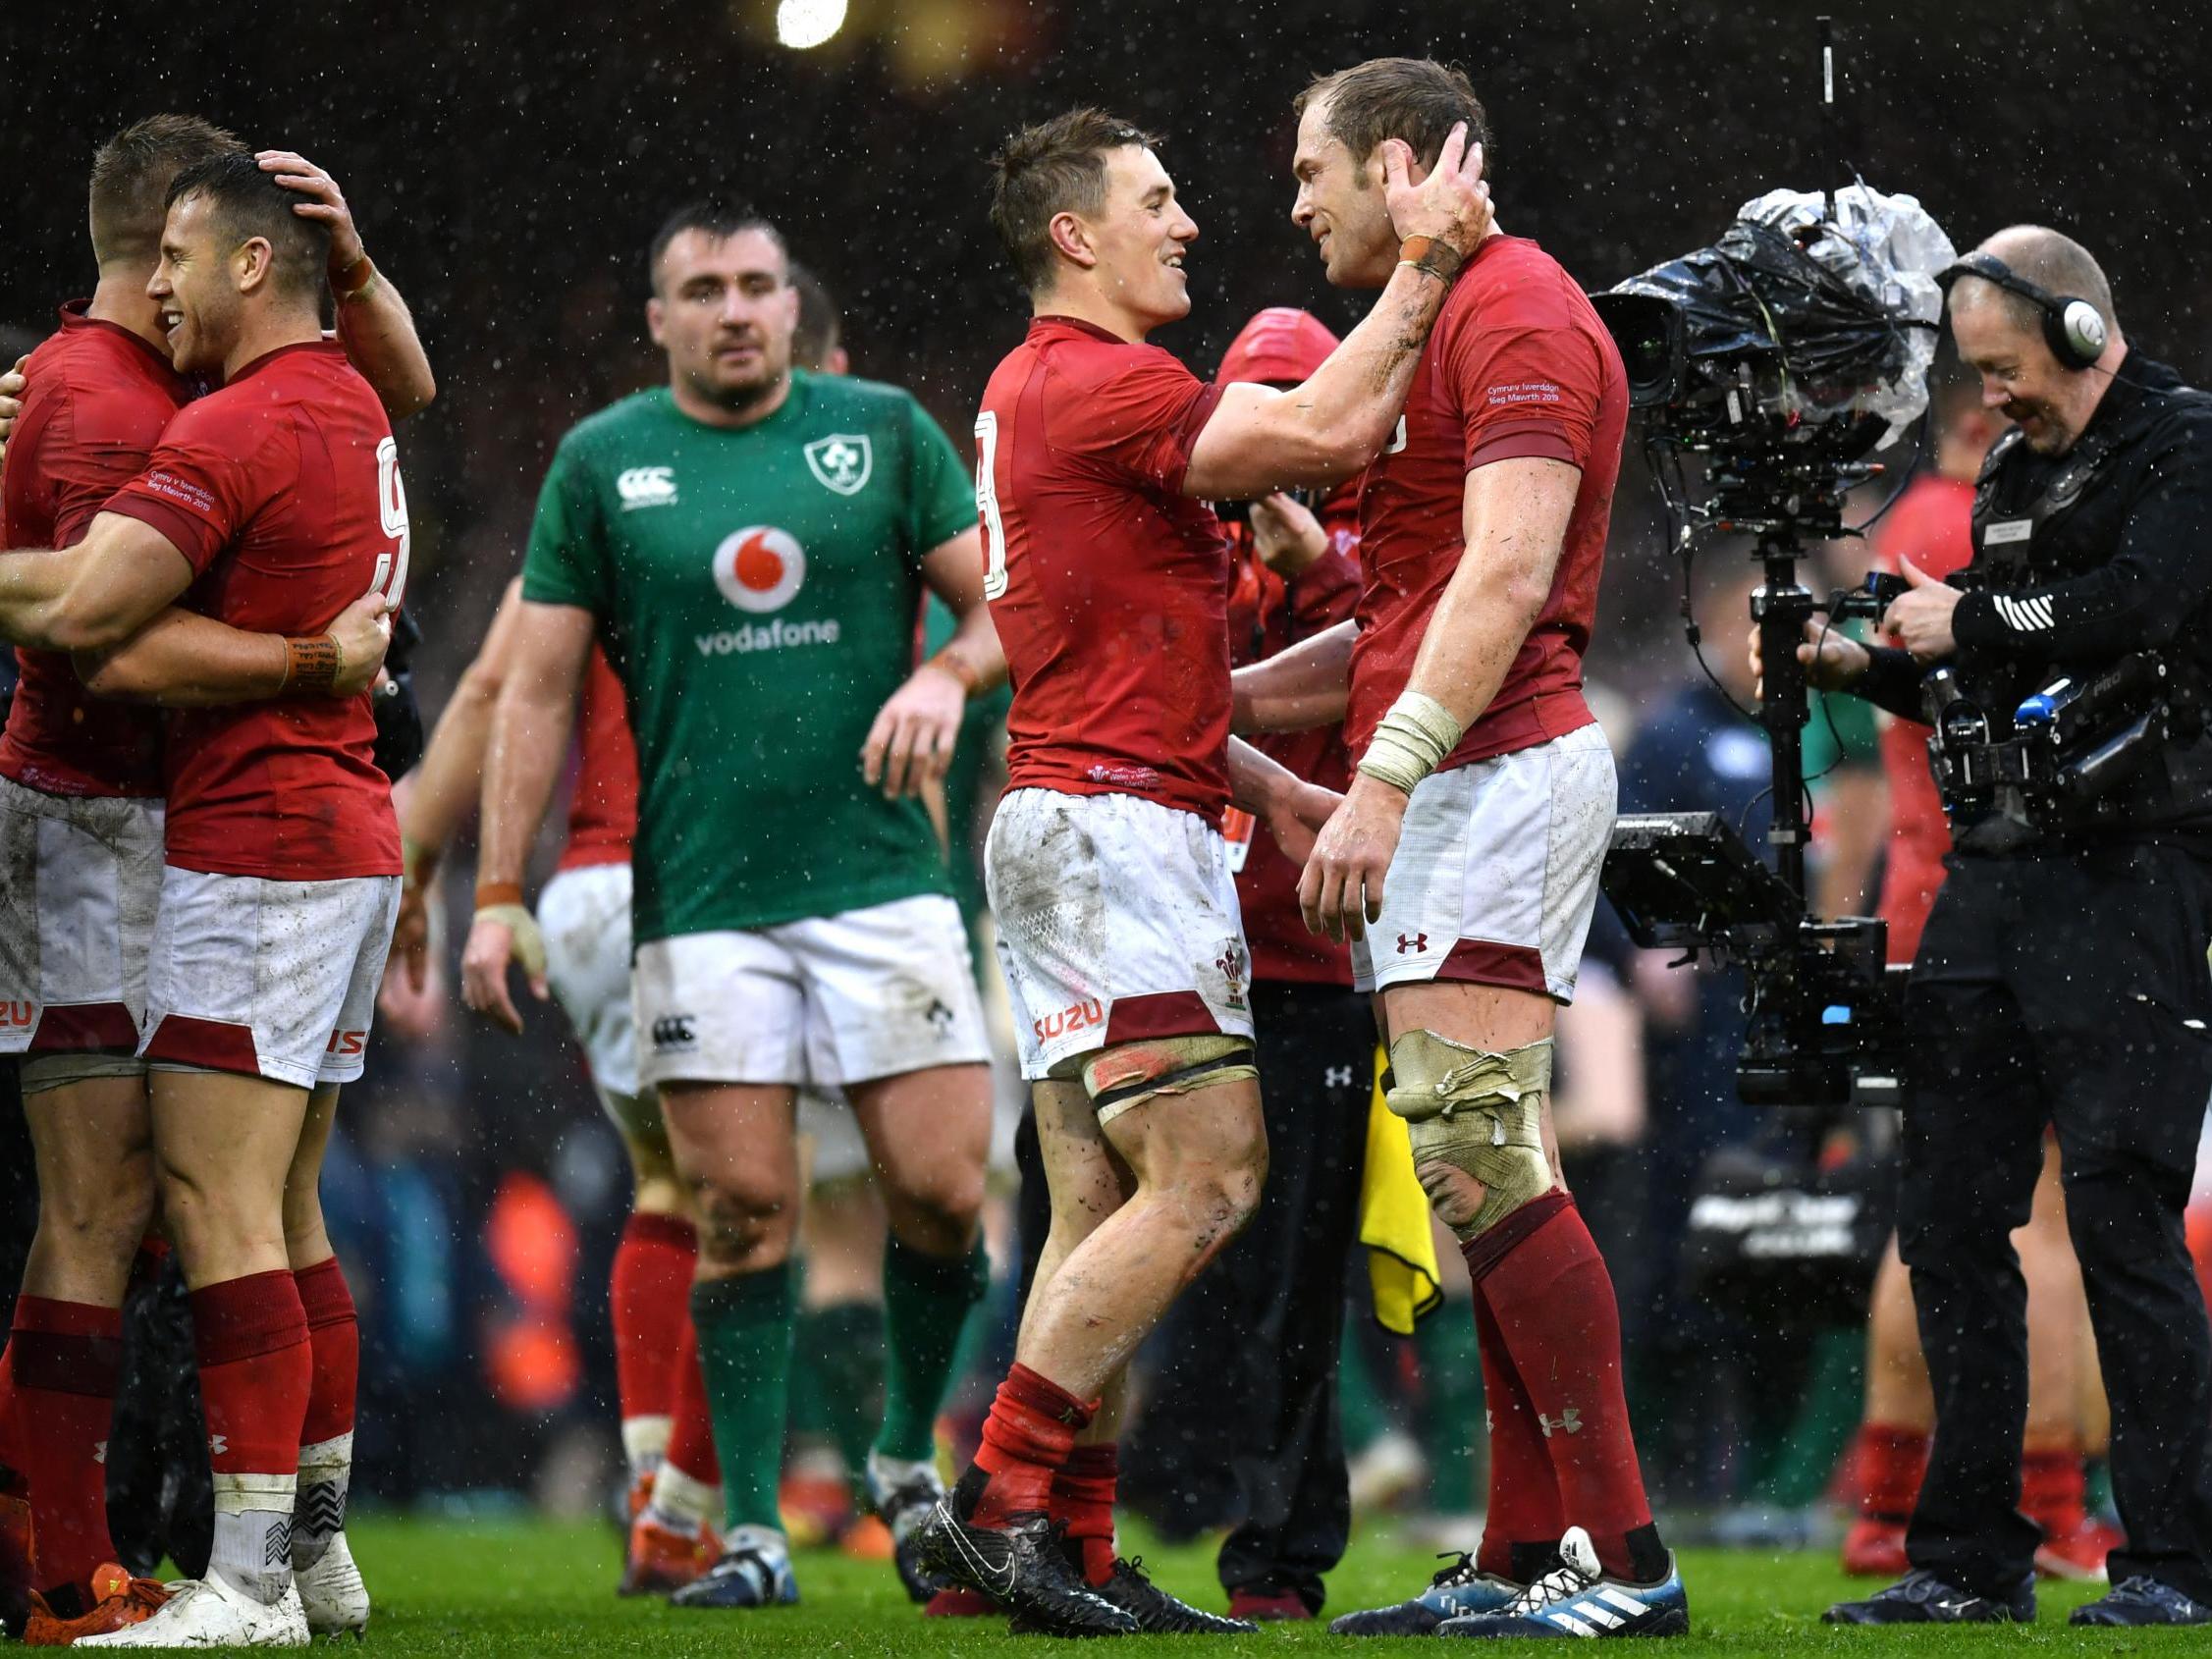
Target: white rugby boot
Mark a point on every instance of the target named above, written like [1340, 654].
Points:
[210, 1613]
[331, 1592]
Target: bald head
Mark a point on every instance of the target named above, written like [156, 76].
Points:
[2054, 262]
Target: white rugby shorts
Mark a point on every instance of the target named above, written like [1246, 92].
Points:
[584, 915]
[265, 978]
[1496, 876]
[828, 1000]
[79, 884]
[1117, 920]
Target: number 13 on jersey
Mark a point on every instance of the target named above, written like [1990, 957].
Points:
[987, 504]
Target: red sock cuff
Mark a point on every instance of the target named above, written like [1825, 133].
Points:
[1487, 1250]
[67, 1347]
[324, 1296]
[1033, 1423]
[244, 1318]
[1102, 1462]
[1040, 1394]
[671, 1230]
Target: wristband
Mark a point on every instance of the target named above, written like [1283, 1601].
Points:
[311, 665]
[1432, 255]
[1411, 742]
[959, 667]
[490, 896]
[353, 281]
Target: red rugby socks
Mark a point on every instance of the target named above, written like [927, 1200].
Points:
[688, 1486]
[1026, 1441]
[1521, 1523]
[65, 1359]
[1547, 1289]
[256, 1372]
[1892, 1463]
[1082, 1499]
[326, 1439]
[650, 1302]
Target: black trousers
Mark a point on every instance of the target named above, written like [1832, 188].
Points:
[2068, 991]
[1246, 1381]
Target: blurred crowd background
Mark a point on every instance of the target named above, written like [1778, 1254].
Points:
[506, 163]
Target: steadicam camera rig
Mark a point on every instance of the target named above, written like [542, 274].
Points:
[1779, 358]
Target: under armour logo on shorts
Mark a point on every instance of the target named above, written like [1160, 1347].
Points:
[1416, 941]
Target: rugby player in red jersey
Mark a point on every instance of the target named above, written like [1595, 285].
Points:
[272, 504]
[81, 819]
[1463, 862]
[1119, 931]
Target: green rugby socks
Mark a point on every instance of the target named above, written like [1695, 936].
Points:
[926, 1304]
[744, 1328]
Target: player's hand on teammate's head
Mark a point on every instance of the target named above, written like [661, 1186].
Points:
[500, 934]
[364, 631]
[1451, 203]
[321, 199]
[11, 386]
[1341, 889]
[911, 741]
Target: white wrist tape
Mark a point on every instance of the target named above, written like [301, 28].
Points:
[1412, 741]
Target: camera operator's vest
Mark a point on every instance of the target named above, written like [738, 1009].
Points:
[2038, 522]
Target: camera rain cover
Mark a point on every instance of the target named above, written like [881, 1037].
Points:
[1835, 312]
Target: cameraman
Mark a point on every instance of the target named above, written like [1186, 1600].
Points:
[2062, 978]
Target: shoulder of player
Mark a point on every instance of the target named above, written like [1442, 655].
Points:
[609, 429]
[1517, 286]
[842, 402]
[1085, 364]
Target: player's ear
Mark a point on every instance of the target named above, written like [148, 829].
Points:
[656, 317]
[1071, 240]
[251, 263]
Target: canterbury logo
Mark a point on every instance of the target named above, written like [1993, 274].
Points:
[646, 486]
[674, 1031]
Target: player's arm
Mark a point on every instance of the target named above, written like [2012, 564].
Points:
[1300, 686]
[1259, 439]
[1292, 809]
[1515, 516]
[911, 741]
[182, 660]
[443, 785]
[532, 723]
[373, 322]
[94, 595]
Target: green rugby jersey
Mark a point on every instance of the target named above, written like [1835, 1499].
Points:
[756, 591]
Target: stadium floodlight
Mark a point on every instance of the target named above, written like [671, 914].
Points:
[804, 24]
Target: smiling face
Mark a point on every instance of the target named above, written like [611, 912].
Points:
[1340, 204]
[725, 311]
[2019, 377]
[196, 287]
[1137, 239]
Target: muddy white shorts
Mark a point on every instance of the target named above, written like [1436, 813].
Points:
[828, 1000]
[1117, 920]
[1496, 872]
[270, 978]
[80, 883]
[584, 915]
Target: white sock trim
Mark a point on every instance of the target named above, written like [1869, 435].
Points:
[327, 1460]
[241, 1494]
[683, 1500]
[645, 1440]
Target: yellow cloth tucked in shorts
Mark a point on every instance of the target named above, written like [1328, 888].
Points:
[1401, 1261]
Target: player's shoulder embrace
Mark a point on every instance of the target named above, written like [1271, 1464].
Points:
[1089, 365]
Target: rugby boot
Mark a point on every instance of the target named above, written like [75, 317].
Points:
[1159, 1614]
[1456, 1591]
[331, 1592]
[2143, 1600]
[1577, 1599]
[1923, 1598]
[1265, 1604]
[15, 1558]
[212, 1612]
[1023, 1568]
[664, 1558]
[118, 1600]
[755, 1570]
[2078, 1551]
[903, 1495]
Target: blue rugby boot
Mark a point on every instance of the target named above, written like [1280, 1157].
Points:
[1458, 1589]
[2140, 1600]
[1923, 1598]
[1576, 1599]
[755, 1570]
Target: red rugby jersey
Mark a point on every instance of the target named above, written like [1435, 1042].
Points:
[283, 490]
[98, 401]
[1933, 525]
[1267, 614]
[1108, 587]
[603, 805]
[1518, 365]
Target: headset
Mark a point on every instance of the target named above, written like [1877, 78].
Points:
[2073, 328]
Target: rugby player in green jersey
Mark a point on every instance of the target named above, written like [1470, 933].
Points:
[750, 544]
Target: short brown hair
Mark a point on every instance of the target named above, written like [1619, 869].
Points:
[131, 175]
[1057, 166]
[1416, 99]
[247, 203]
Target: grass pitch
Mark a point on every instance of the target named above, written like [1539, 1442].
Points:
[456, 1589]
